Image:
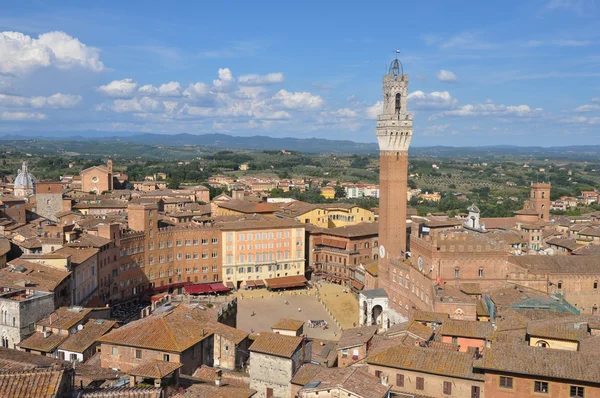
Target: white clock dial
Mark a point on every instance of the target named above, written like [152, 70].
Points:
[381, 251]
[420, 263]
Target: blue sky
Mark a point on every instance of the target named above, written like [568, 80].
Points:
[481, 73]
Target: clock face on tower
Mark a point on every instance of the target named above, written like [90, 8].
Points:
[420, 263]
[381, 251]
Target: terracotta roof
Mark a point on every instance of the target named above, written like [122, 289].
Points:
[276, 344]
[228, 377]
[353, 380]
[356, 336]
[38, 276]
[242, 206]
[594, 232]
[306, 373]
[14, 359]
[354, 231]
[78, 255]
[250, 222]
[212, 391]
[427, 316]
[527, 212]
[38, 342]
[83, 339]
[155, 369]
[42, 383]
[534, 361]
[65, 317]
[324, 352]
[567, 243]
[174, 331]
[588, 250]
[499, 222]
[591, 345]
[558, 264]
[563, 329]
[288, 324]
[471, 329]
[414, 328]
[89, 240]
[427, 360]
[372, 267]
[471, 288]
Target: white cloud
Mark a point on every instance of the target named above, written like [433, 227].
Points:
[20, 53]
[488, 109]
[559, 43]
[170, 89]
[344, 112]
[257, 80]
[148, 89]
[435, 99]
[143, 105]
[298, 100]
[57, 100]
[19, 116]
[461, 41]
[374, 110]
[225, 80]
[588, 108]
[446, 76]
[119, 88]
[196, 90]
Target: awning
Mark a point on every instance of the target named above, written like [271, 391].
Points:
[250, 284]
[357, 285]
[286, 281]
[198, 289]
[260, 283]
[219, 287]
[157, 297]
[171, 286]
[230, 285]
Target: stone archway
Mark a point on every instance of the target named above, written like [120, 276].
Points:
[377, 315]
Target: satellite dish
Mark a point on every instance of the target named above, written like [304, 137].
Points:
[80, 327]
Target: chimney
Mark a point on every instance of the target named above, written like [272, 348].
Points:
[46, 333]
[218, 378]
[51, 318]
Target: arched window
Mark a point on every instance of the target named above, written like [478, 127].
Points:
[480, 272]
[398, 98]
[595, 285]
[559, 285]
[457, 272]
[543, 195]
[543, 344]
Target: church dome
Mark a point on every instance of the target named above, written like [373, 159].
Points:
[24, 178]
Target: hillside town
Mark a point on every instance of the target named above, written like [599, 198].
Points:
[150, 291]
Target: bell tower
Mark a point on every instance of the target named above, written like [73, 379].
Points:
[394, 131]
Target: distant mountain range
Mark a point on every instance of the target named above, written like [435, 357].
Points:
[308, 145]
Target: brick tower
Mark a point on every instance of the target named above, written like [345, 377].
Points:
[394, 131]
[540, 199]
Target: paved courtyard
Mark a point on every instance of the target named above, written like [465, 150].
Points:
[344, 306]
[269, 310]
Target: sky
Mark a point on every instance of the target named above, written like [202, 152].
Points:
[481, 72]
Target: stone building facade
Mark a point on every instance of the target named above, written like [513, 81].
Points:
[48, 199]
[19, 311]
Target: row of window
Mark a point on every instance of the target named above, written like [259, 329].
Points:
[559, 285]
[188, 256]
[264, 246]
[263, 236]
[277, 267]
[180, 243]
[541, 387]
[170, 272]
[457, 272]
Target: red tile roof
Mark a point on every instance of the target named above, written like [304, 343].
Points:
[276, 344]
